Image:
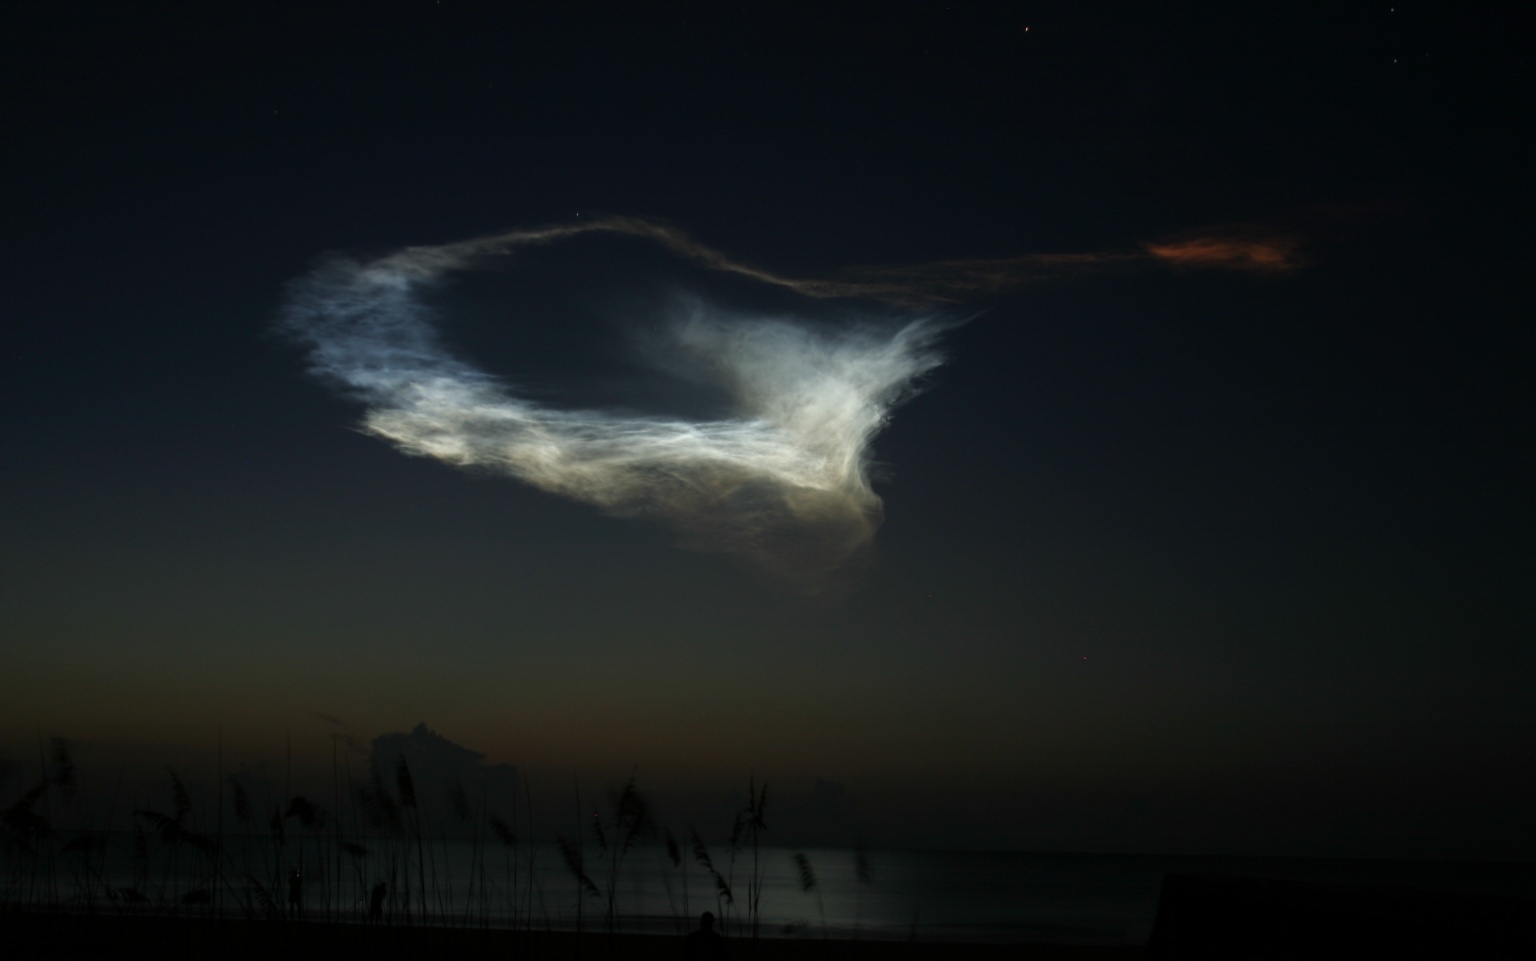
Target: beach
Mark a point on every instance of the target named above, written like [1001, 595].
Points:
[64, 935]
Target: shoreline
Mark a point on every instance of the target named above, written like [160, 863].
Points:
[62, 934]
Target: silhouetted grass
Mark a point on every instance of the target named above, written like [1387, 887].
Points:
[808, 883]
[286, 855]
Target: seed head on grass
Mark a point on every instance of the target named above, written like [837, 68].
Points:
[503, 833]
[701, 855]
[632, 814]
[673, 853]
[381, 809]
[807, 876]
[24, 825]
[166, 828]
[700, 852]
[573, 861]
[308, 813]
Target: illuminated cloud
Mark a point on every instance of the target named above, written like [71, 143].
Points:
[784, 481]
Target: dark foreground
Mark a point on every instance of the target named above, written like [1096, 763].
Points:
[29, 935]
[1199, 918]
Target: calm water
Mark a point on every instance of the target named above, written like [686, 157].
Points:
[930, 895]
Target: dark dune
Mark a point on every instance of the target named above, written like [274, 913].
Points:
[1204, 916]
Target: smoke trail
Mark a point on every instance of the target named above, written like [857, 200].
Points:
[1238, 247]
[784, 481]
[1233, 249]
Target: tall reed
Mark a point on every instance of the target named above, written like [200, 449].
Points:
[808, 884]
[189, 851]
[724, 898]
[753, 818]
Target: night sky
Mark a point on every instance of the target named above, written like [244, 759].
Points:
[1174, 557]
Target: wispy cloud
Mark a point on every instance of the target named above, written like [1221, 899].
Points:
[784, 480]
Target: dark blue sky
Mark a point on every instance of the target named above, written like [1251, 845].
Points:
[1245, 555]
